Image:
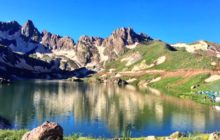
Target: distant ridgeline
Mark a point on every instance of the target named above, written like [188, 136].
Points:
[27, 53]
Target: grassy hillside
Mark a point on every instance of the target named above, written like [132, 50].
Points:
[179, 59]
[183, 73]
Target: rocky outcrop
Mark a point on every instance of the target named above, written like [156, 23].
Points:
[214, 136]
[210, 48]
[10, 27]
[132, 58]
[116, 43]
[30, 31]
[47, 131]
[122, 82]
[176, 135]
[24, 39]
[49, 39]
[56, 41]
[86, 50]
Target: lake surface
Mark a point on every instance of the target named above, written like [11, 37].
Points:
[102, 110]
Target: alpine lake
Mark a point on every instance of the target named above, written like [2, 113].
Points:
[102, 110]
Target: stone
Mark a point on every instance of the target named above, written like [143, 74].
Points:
[214, 136]
[122, 82]
[47, 131]
[194, 86]
[75, 79]
[151, 138]
[176, 135]
[213, 63]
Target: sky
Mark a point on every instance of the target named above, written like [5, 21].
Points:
[169, 20]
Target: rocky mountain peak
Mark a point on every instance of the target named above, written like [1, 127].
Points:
[129, 36]
[117, 43]
[11, 27]
[66, 43]
[123, 32]
[30, 31]
[56, 41]
[86, 49]
[96, 41]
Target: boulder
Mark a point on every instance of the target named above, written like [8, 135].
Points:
[214, 136]
[47, 131]
[122, 82]
[151, 138]
[176, 135]
[75, 79]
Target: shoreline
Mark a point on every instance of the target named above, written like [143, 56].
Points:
[177, 86]
[17, 135]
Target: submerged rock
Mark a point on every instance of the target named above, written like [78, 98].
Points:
[47, 131]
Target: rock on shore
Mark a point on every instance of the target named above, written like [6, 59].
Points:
[47, 131]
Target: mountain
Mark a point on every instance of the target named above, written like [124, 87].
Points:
[28, 53]
[18, 66]
[25, 46]
[121, 40]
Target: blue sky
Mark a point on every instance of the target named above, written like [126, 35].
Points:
[168, 20]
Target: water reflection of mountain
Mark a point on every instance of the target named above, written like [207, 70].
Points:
[118, 108]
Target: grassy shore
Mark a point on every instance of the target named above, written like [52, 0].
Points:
[17, 135]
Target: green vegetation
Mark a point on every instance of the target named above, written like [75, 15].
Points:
[177, 84]
[184, 87]
[17, 135]
[11, 134]
[174, 59]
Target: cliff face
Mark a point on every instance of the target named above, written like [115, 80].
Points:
[30, 31]
[57, 42]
